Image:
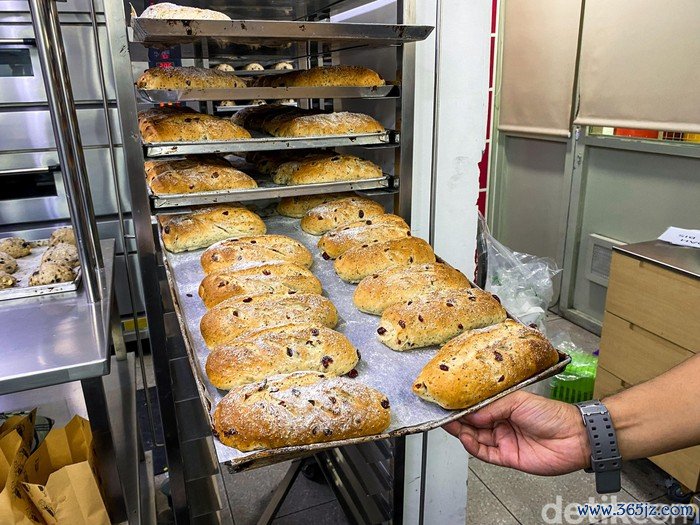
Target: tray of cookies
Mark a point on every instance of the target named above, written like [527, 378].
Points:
[285, 371]
[40, 267]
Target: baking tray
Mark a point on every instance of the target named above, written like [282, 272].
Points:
[26, 266]
[267, 143]
[269, 190]
[168, 32]
[391, 372]
[266, 93]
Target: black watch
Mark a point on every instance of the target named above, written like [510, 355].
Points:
[605, 454]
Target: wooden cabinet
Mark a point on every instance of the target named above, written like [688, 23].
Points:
[651, 324]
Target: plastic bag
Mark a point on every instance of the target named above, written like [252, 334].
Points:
[523, 282]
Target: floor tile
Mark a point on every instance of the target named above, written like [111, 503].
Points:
[525, 495]
[482, 506]
[250, 491]
[304, 494]
[643, 479]
[325, 514]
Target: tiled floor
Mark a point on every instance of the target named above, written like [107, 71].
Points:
[496, 495]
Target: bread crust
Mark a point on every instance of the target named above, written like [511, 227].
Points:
[296, 207]
[181, 12]
[365, 232]
[280, 350]
[190, 176]
[204, 227]
[400, 284]
[357, 263]
[437, 317]
[280, 278]
[325, 217]
[481, 363]
[256, 248]
[189, 127]
[336, 76]
[188, 78]
[340, 123]
[234, 316]
[325, 168]
[297, 409]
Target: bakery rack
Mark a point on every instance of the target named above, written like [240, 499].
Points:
[368, 478]
[58, 348]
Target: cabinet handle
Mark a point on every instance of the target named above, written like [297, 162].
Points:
[32, 171]
[7, 42]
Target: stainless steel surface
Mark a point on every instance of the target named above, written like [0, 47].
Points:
[27, 265]
[683, 259]
[382, 368]
[163, 149]
[58, 338]
[65, 124]
[267, 93]
[267, 191]
[161, 31]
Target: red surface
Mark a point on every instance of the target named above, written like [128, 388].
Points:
[483, 168]
[494, 8]
[642, 133]
[492, 60]
[488, 115]
[481, 202]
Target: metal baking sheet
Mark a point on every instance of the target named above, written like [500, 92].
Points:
[167, 32]
[29, 264]
[382, 368]
[268, 190]
[267, 143]
[265, 93]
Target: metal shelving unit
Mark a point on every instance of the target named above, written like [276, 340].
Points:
[197, 481]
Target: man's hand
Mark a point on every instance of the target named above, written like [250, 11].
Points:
[526, 432]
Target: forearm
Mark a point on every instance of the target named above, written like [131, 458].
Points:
[660, 415]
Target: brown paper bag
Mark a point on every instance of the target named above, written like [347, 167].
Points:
[15, 505]
[70, 496]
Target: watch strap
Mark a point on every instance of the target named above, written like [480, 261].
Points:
[606, 462]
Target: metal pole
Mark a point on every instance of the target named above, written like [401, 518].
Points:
[59, 94]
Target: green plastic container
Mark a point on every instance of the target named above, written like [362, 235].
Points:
[575, 383]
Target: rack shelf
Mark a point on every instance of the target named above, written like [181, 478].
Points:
[163, 149]
[157, 96]
[270, 191]
[163, 32]
[57, 338]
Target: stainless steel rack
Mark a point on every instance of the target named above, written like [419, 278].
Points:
[198, 480]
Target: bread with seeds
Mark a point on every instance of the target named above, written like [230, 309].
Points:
[437, 317]
[360, 233]
[297, 206]
[257, 248]
[298, 409]
[481, 363]
[280, 350]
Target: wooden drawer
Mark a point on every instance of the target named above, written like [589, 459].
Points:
[661, 301]
[606, 384]
[634, 354]
[684, 465]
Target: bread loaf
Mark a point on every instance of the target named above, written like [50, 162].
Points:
[171, 11]
[236, 315]
[188, 78]
[61, 253]
[340, 75]
[8, 264]
[204, 227]
[297, 409]
[341, 123]
[357, 263]
[256, 248]
[6, 280]
[297, 206]
[280, 350]
[280, 278]
[189, 127]
[481, 363]
[400, 284]
[325, 168]
[360, 233]
[160, 112]
[51, 273]
[62, 234]
[325, 217]
[189, 176]
[253, 117]
[437, 317]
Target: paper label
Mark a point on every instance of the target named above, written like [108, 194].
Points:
[681, 237]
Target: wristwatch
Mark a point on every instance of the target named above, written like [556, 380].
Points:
[606, 462]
